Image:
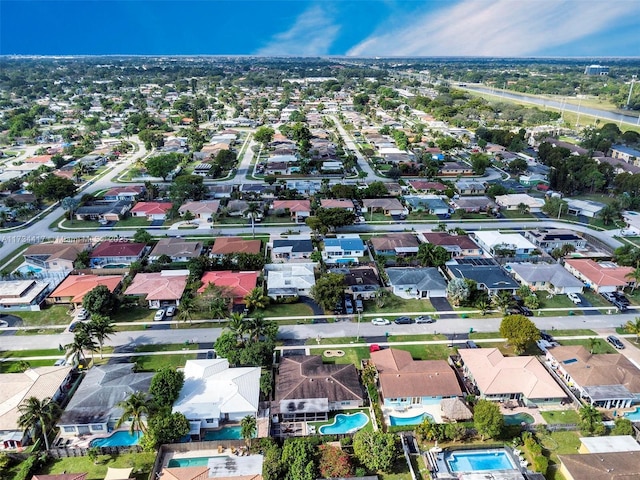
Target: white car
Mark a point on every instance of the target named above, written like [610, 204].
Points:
[171, 310]
[380, 321]
[82, 315]
[574, 298]
[159, 315]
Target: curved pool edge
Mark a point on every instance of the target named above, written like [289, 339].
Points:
[346, 415]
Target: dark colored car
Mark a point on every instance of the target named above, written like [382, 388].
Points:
[545, 336]
[615, 341]
[403, 321]
[525, 311]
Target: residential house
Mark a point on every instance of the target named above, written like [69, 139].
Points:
[407, 383]
[432, 204]
[93, 161]
[628, 154]
[487, 273]
[398, 244]
[131, 193]
[393, 188]
[608, 444]
[73, 288]
[109, 254]
[601, 277]
[298, 209]
[214, 394]
[600, 466]
[632, 220]
[473, 204]
[236, 208]
[230, 245]
[103, 211]
[417, 282]
[605, 380]
[151, 210]
[62, 476]
[542, 276]
[585, 208]
[38, 382]
[550, 239]
[456, 245]
[202, 169]
[22, 294]
[177, 249]
[306, 389]
[513, 201]
[361, 282]
[427, 187]
[220, 191]
[344, 249]
[159, 288]
[388, 206]
[53, 256]
[499, 378]
[289, 280]
[94, 409]
[453, 169]
[341, 203]
[202, 210]
[504, 244]
[289, 249]
[237, 284]
[470, 187]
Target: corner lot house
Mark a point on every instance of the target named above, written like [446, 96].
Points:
[417, 282]
[289, 280]
[75, 287]
[39, 382]
[213, 393]
[307, 389]
[160, 288]
[22, 294]
[177, 249]
[548, 240]
[116, 254]
[510, 378]
[550, 277]
[601, 277]
[586, 208]
[605, 380]
[93, 408]
[53, 256]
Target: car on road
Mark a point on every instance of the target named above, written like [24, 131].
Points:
[171, 311]
[380, 321]
[425, 319]
[159, 315]
[615, 341]
[574, 298]
[403, 321]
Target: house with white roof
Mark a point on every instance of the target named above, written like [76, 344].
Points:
[213, 393]
[494, 242]
[289, 279]
[586, 208]
[512, 201]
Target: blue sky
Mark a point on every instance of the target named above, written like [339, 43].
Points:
[584, 28]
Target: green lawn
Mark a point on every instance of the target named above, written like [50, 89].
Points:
[152, 363]
[427, 352]
[595, 299]
[601, 345]
[134, 222]
[516, 214]
[560, 416]
[18, 260]
[556, 301]
[133, 314]
[142, 464]
[16, 367]
[395, 304]
[573, 333]
[167, 347]
[353, 355]
[559, 443]
[49, 315]
[78, 224]
[287, 310]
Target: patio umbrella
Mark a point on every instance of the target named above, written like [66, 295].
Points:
[455, 409]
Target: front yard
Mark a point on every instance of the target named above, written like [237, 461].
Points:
[395, 304]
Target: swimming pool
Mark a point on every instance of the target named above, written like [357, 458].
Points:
[479, 460]
[417, 420]
[343, 423]
[633, 416]
[224, 433]
[121, 438]
[518, 419]
[27, 269]
[188, 462]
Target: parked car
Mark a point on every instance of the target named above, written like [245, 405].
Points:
[171, 311]
[425, 319]
[211, 354]
[545, 336]
[60, 362]
[526, 311]
[82, 314]
[574, 298]
[615, 341]
[471, 344]
[159, 315]
[359, 305]
[374, 348]
[73, 326]
[380, 321]
[403, 321]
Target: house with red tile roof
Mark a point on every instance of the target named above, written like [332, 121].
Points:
[75, 287]
[151, 210]
[159, 288]
[299, 209]
[238, 284]
[116, 253]
[601, 277]
[228, 245]
[342, 203]
[425, 186]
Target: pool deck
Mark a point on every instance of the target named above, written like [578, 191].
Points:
[534, 412]
[412, 411]
[443, 468]
[222, 464]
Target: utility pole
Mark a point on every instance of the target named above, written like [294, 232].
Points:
[633, 80]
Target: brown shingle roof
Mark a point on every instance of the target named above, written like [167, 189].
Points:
[392, 241]
[63, 251]
[117, 249]
[61, 476]
[603, 466]
[225, 245]
[184, 473]
[440, 238]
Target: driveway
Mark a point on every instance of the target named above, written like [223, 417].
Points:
[317, 309]
[586, 303]
[12, 321]
[441, 304]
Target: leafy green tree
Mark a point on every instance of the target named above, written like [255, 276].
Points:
[503, 300]
[54, 188]
[166, 385]
[633, 326]
[591, 421]
[333, 218]
[100, 301]
[38, 414]
[458, 291]
[480, 162]
[622, 426]
[248, 428]
[82, 341]
[635, 276]
[264, 135]
[187, 187]
[165, 427]
[142, 236]
[334, 462]
[162, 165]
[554, 206]
[532, 301]
[328, 290]
[609, 213]
[69, 204]
[430, 255]
[227, 346]
[519, 331]
[272, 466]
[298, 458]
[487, 419]
[135, 409]
[377, 451]
[256, 299]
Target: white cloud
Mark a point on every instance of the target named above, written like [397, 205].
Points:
[497, 28]
[312, 34]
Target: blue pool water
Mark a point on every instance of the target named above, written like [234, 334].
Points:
[26, 269]
[518, 419]
[224, 433]
[121, 438]
[345, 424]
[188, 462]
[417, 420]
[633, 416]
[479, 460]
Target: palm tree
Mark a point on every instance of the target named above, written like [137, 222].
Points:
[187, 307]
[134, 408]
[101, 328]
[484, 305]
[381, 297]
[81, 341]
[38, 413]
[593, 344]
[635, 276]
[523, 208]
[253, 212]
[503, 300]
[248, 428]
[237, 325]
[256, 327]
[633, 326]
[256, 299]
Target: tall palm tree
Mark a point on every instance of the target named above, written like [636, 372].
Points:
[81, 341]
[101, 328]
[255, 327]
[36, 413]
[635, 276]
[187, 307]
[248, 428]
[256, 299]
[237, 325]
[503, 300]
[633, 326]
[593, 344]
[135, 407]
[253, 212]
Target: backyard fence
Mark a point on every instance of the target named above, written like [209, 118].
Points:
[83, 452]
